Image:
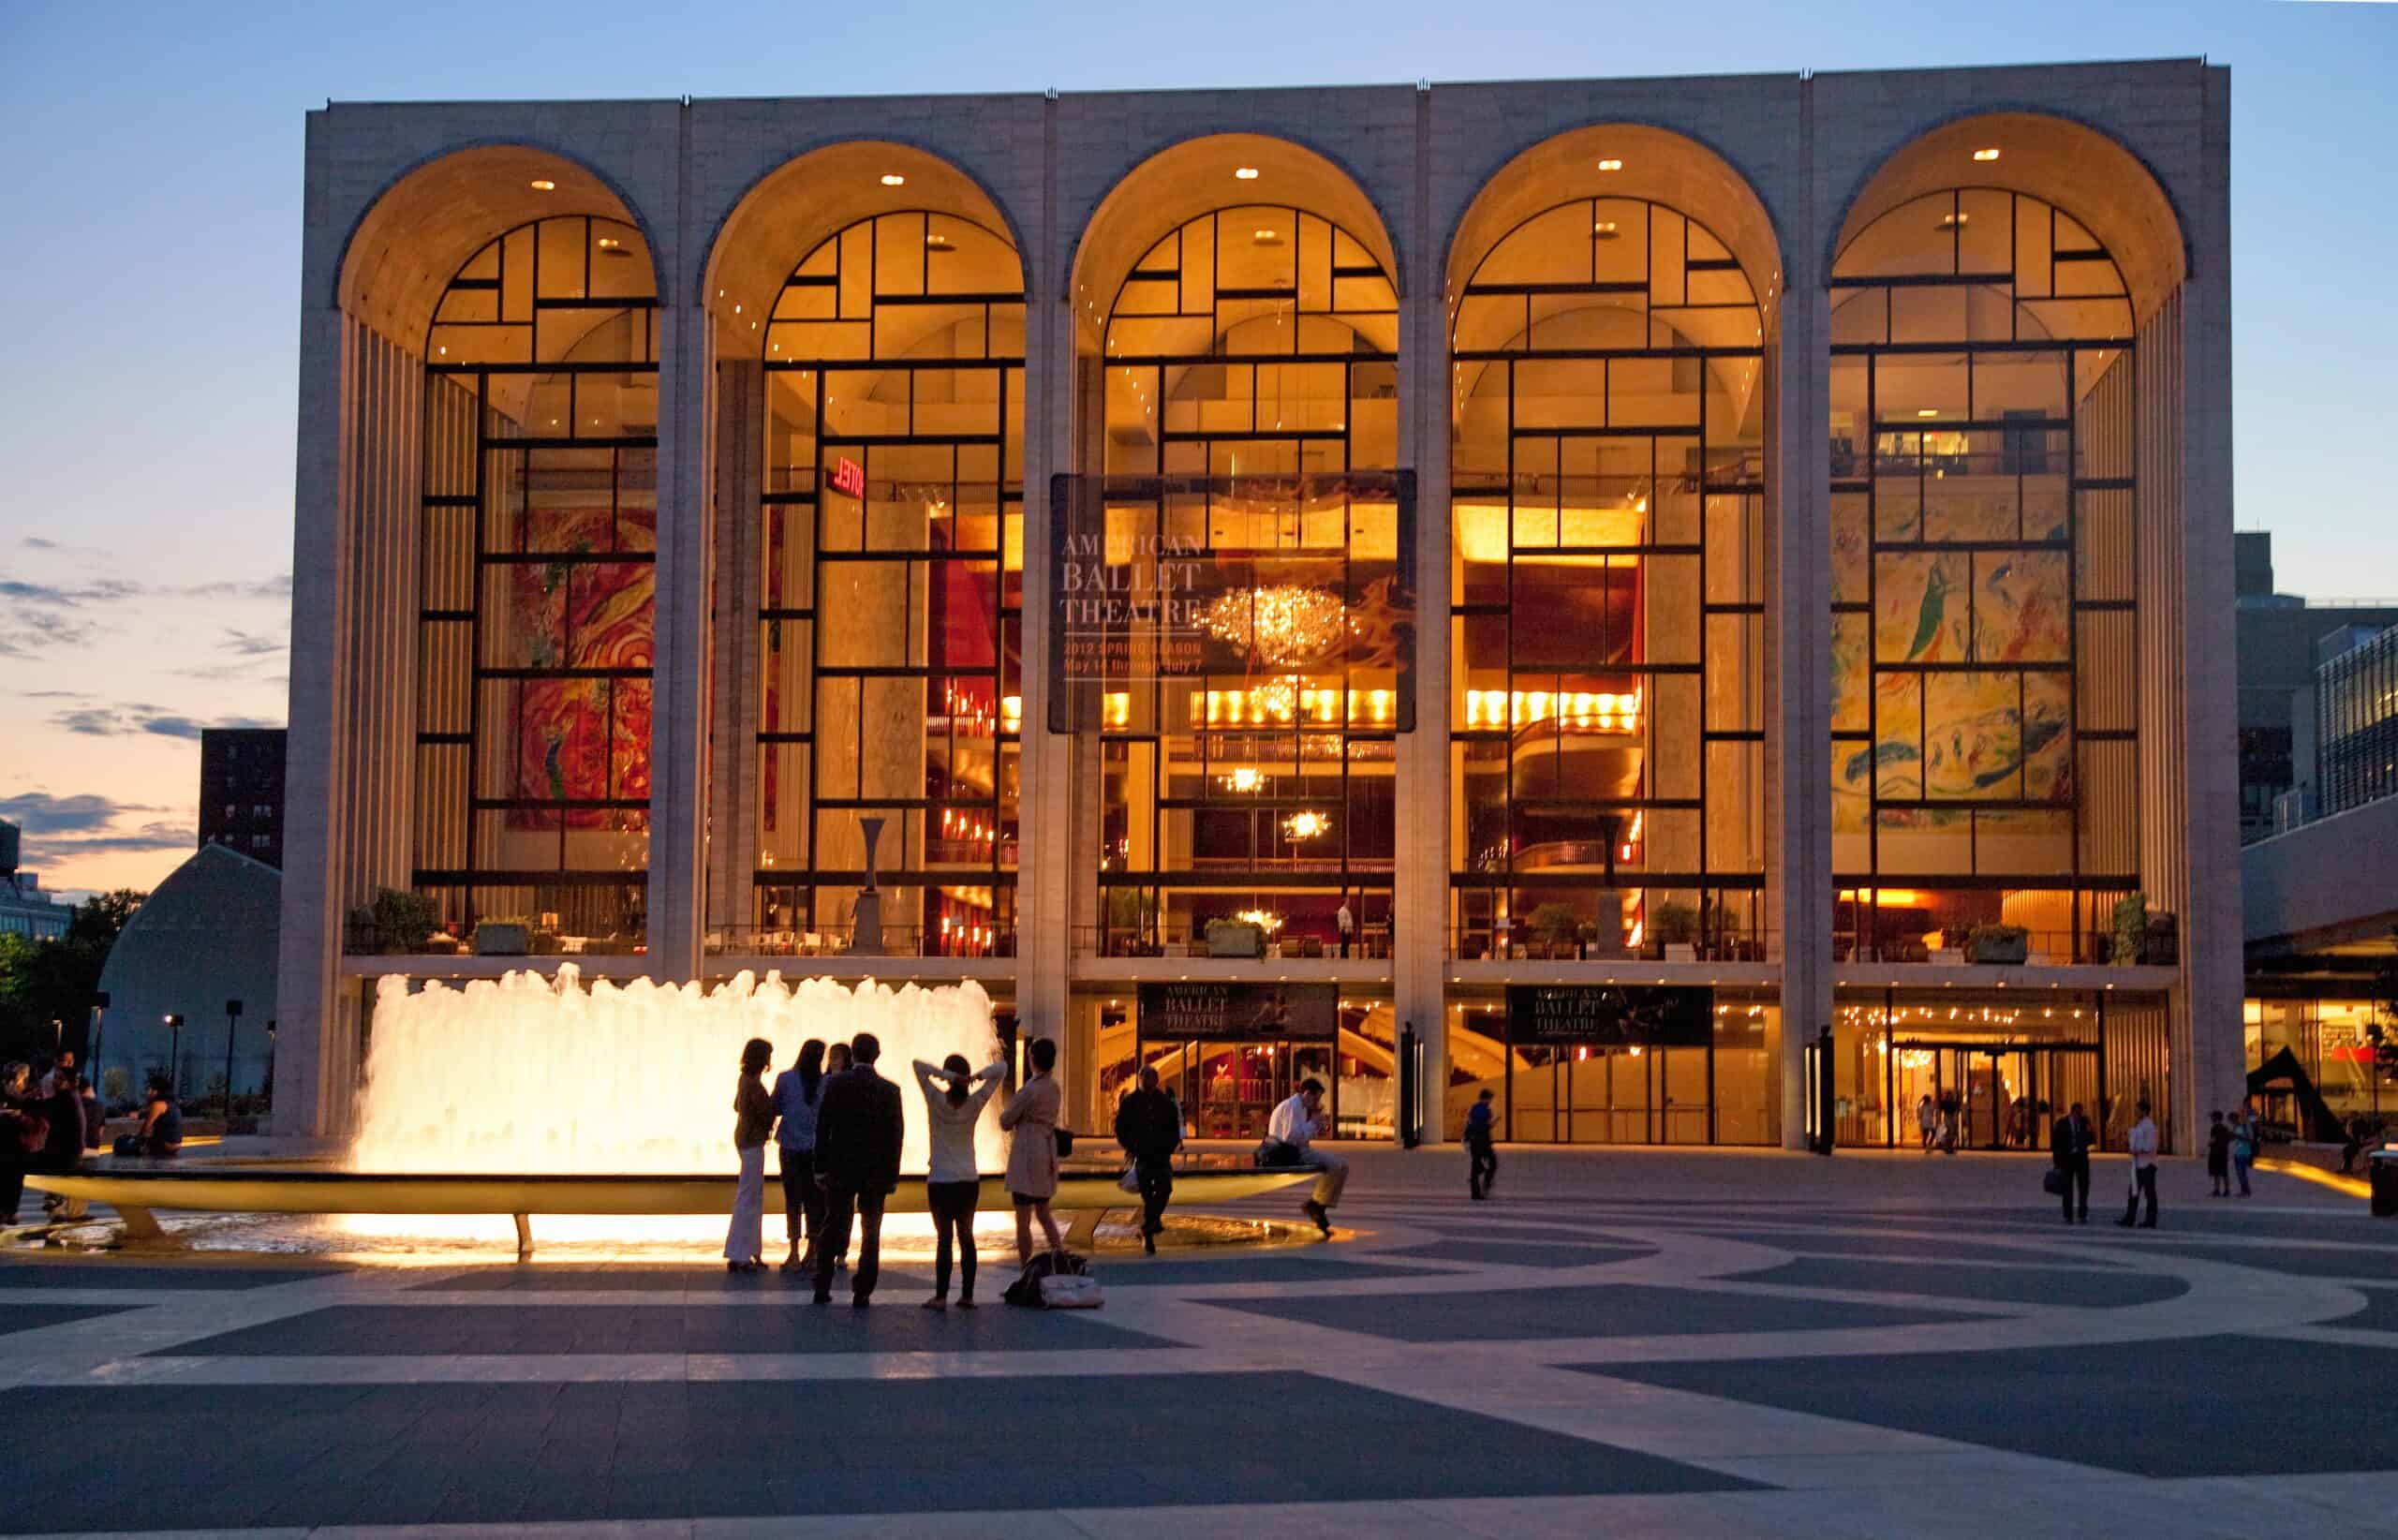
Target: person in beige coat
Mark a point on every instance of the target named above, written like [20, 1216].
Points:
[1031, 1118]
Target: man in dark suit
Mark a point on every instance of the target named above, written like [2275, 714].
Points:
[2069, 1146]
[1149, 1127]
[858, 1123]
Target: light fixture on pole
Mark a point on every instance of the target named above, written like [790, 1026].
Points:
[100, 1019]
[233, 1020]
[176, 1057]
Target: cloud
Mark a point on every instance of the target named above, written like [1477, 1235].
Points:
[150, 836]
[52, 695]
[60, 595]
[252, 643]
[277, 588]
[39, 812]
[37, 543]
[29, 639]
[121, 721]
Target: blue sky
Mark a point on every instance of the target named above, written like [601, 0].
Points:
[149, 315]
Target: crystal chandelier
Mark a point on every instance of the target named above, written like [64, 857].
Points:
[1285, 625]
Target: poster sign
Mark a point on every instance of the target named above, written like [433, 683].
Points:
[1279, 601]
[848, 477]
[1221, 1011]
[1609, 1015]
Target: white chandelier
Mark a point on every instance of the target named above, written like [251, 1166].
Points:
[1285, 624]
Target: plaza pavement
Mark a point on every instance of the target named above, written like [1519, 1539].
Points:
[1625, 1343]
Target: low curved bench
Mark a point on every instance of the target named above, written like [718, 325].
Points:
[136, 1192]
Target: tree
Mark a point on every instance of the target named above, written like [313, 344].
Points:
[46, 986]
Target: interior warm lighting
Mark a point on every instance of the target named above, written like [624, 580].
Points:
[1246, 173]
[1263, 919]
[1267, 237]
[609, 242]
[892, 179]
[1927, 411]
[543, 184]
[1610, 165]
[938, 242]
[1985, 154]
[1951, 221]
[1593, 711]
[1245, 779]
[1603, 230]
[1285, 624]
[1306, 825]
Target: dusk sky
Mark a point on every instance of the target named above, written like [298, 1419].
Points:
[151, 249]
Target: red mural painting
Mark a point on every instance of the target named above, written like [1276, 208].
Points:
[582, 740]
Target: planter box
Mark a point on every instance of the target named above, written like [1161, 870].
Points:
[494, 939]
[1681, 952]
[1177, 949]
[2010, 951]
[1949, 955]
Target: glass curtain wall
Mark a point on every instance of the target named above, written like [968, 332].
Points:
[890, 591]
[1606, 628]
[539, 532]
[1985, 757]
[1249, 374]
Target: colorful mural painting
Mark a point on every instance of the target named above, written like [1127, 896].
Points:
[582, 739]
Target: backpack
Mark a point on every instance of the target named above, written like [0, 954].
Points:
[1054, 1281]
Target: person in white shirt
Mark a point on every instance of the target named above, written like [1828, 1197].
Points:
[1289, 1135]
[1347, 924]
[2142, 1144]
[954, 1100]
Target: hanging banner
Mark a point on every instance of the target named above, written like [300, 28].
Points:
[1220, 1011]
[1233, 602]
[1608, 1015]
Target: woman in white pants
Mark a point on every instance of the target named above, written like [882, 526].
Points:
[753, 1119]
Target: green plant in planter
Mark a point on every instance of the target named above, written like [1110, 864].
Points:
[2129, 924]
[1676, 924]
[1554, 925]
[397, 922]
[1997, 944]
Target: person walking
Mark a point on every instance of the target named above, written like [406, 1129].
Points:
[2247, 1142]
[1481, 1146]
[22, 1133]
[956, 1094]
[2352, 1142]
[1947, 1125]
[2142, 1144]
[796, 1090]
[1031, 1115]
[1150, 1128]
[753, 1119]
[2219, 1156]
[1291, 1133]
[859, 1122]
[1926, 1120]
[2069, 1145]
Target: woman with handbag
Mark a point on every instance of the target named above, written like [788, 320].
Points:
[955, 1096]
[753, 1118]
[1032, 1115]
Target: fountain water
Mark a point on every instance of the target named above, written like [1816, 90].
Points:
[525, 1076]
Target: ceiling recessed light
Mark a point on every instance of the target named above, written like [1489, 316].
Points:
[938, 242]
[609, 242]
[892, 179]
[1267, 237]
[1986, 154]
[1610, 165]
[1246, 173]
[543, 184]
[1951, 221]
[1927, 411]
[1605, 230]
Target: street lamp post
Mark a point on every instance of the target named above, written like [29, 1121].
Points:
[176, 1057]
[100, 1019]
[232, 1020]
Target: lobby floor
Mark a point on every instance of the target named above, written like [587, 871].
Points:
[1625, 1343]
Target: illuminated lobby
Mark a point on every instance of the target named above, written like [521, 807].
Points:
[1571, 588]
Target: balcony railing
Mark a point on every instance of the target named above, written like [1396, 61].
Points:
[956, 940]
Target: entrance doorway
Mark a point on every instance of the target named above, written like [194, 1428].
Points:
[2006, 1093]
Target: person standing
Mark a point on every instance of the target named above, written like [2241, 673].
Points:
[836, 1061]
[1481, 1146]
[795, 1092]
[62, 1068]
[2247, 1142]
[2069, 1146]
[2219, 1156]
[1031, 1115]
[1347, 924]
[21, 1137]
[1926, 1120]
[1291, 1133]
[858, 1125]
[956, 1094]
[2142, 1144]
[1149, 1127]
[753, 1119]
[63, 1151]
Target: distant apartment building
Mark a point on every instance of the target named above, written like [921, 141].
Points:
[241, 791]
[25, 909]
[2280, 637]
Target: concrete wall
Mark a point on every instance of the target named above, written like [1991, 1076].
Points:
[1794, 151]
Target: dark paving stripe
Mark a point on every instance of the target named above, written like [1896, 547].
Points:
[2006, 1286]
[1566, 1254]
[16, 1318]
[895, 1324]
[224, 1456]
[91, 1273]
[1471, 1226]
[1299, 1266]
[1826, 1243]
[1608, 1310]
[2381, 1313]
[2166, 1410]
[2178, 1214]
[2303, 1261]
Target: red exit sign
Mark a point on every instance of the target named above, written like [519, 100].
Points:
[848, 476]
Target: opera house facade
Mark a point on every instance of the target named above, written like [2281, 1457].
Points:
[1645, 596]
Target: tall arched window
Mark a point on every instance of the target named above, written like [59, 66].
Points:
[540, 528]
[1251, 411]
[1985, 755]
[1607, 595]
[891, 588]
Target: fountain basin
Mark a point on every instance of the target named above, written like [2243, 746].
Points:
[136, 1192]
